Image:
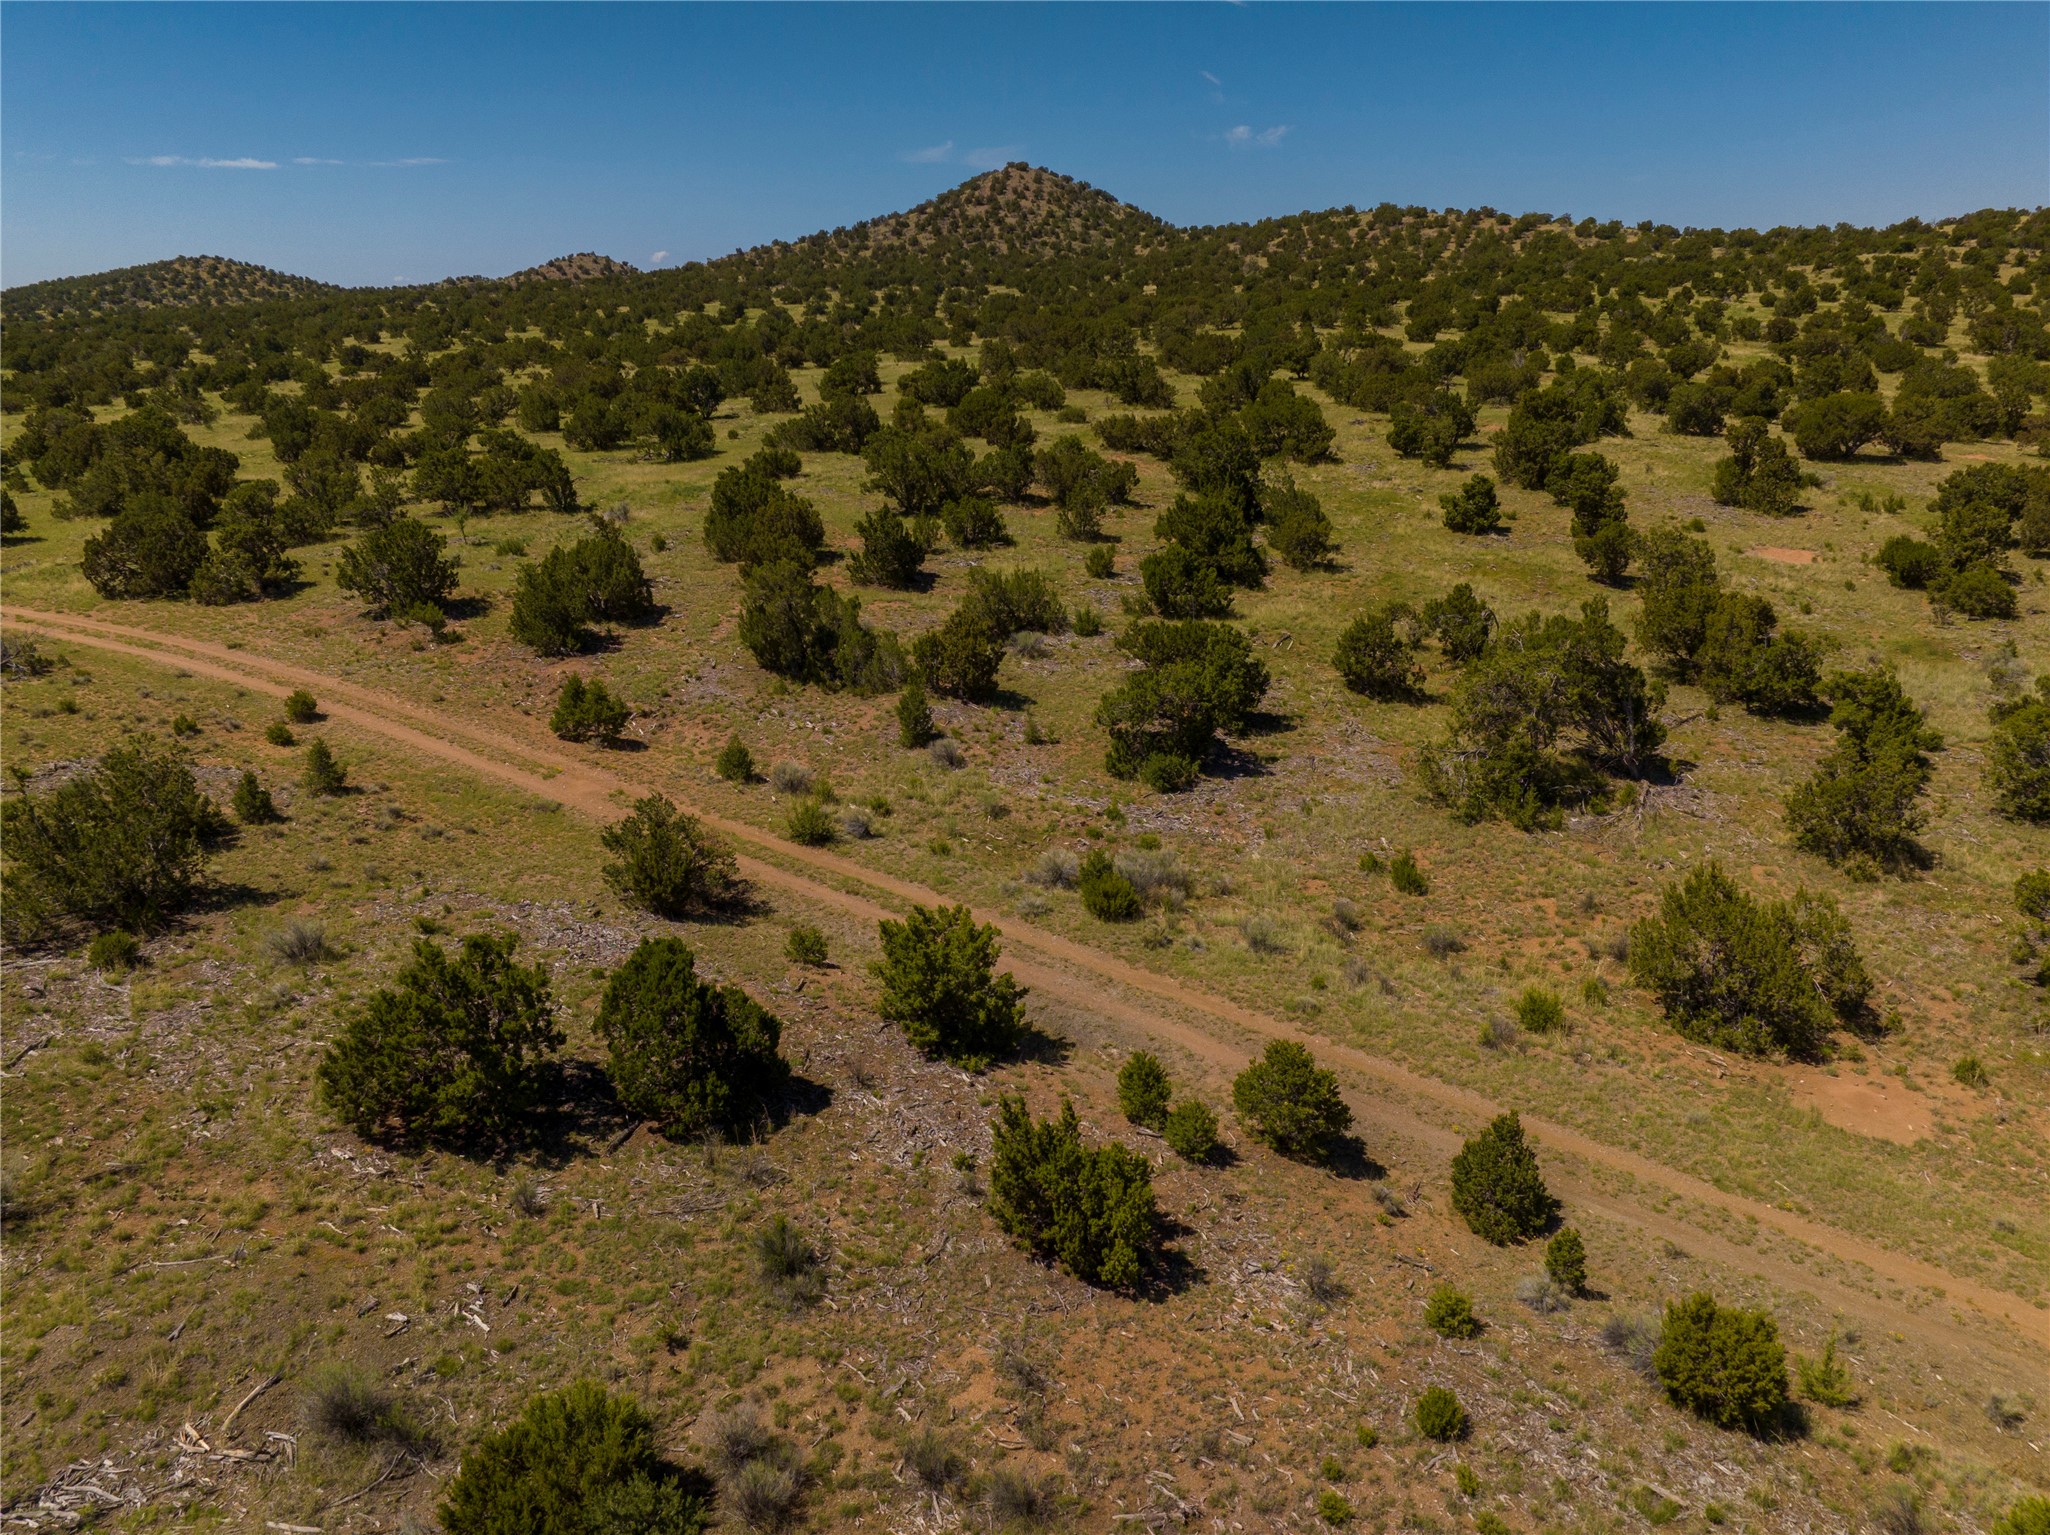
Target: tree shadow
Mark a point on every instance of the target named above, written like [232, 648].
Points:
[1171, 1271]
[1040, 1047]
[1265, 722]
[1230, 763]
[463, 608]
[233, 895]
[1349, 1159]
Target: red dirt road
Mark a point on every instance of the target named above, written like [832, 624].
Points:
[1074, 973]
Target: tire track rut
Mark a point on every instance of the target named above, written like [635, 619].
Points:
[1073, 972]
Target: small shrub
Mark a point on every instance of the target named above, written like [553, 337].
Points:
[1106, 894]
[685, 1054]
[252, 803]
[1056, 868]
[1404, 874]
[1467, 1480]
[1016, 1498]
[347, 1404]
[278, 733]
[1144, 1090]
[2028, 1516]
[322, 775]
[790, 1266]
[1345, 916]
[1566, 1261]
[1497, 1187]
[2005, 1412]
[114, 953]
[736, 1435]
[1262, 933]
[1969, 1071]
[1722, 1363]
[1441, 942]
[301, 708]
[1488, 1523]
[1826, 1378]
[588, 711]
[810, 825]
[807, 946]
[668, 863]
[1439, 1416]
[1540, 1011]
[946, 752]
[1449, 1314]
[1332, 1507]
[1191, 1131]
[1291, 1104]
[183, 725]
[914, 716]
[940, 984]
[1101, 561]
[736, 763]
[1090, 1211]
[298, 942]
[934, 1461]
[576, 1459]
[1633, 1337]
[1541, 1293]
[1086, 620]
[527, 1200]
[788, 777]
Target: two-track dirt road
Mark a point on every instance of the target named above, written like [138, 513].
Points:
[1093, 982]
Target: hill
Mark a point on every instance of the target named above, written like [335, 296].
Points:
[1018, 210]
[1600, 684]
[582, 267]
[181, 282]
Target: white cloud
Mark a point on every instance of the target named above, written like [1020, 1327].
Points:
[1243, 137]
[207, 162]
[1211, 78]
[936, 154]
[990, 159]
[658, 258]
[314, 160]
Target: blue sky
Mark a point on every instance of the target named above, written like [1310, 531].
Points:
[381, 143]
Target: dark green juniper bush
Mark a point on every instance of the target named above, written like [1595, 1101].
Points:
[687, 1055]
[125, 845]
[940, 985]
[1497, 1187]
[1290, 1103]
[457, 1051]
[1757, 977]
[1090, 1211]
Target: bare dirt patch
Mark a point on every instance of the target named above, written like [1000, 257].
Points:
[1875, 1106]
[1783, 556]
